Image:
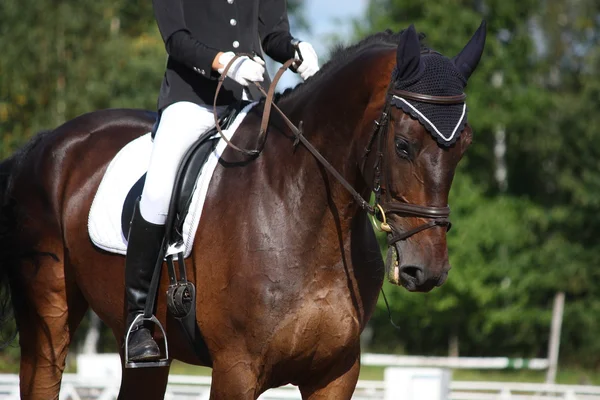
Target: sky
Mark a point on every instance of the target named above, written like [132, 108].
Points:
[326, 18]
[331, 16]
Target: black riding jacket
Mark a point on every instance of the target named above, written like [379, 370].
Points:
[195, 31]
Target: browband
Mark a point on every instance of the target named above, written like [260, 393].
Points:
[426, 98]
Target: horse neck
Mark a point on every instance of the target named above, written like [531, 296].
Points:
[337, 111]
[337, 120]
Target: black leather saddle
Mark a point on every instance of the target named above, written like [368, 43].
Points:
[185, 183]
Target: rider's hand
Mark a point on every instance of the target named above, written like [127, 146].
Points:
[310, 61]
[243, 70]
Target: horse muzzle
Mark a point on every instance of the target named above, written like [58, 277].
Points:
[413, 276]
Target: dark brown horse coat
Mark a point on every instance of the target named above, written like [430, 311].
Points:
[286, 265]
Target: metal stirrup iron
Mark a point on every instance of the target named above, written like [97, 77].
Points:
[163, 362]
[147, 316]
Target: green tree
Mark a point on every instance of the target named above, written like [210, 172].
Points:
[65, 58]
[516, 242]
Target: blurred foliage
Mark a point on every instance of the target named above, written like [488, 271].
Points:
[512, 249]
[65, 58]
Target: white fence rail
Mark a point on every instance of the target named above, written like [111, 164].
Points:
[197, 388]
[520, 391]
[407, 378]
[180, 387]
[390, 360]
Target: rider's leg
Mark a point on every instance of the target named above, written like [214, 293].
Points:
[180, 126]
[143, 247]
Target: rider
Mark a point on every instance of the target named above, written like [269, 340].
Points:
[201, 38]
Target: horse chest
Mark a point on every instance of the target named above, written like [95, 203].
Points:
[322, 325]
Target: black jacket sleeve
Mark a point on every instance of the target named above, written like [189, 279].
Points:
[179, 42]
[274, 30]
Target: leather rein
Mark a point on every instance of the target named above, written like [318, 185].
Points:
[439, 216]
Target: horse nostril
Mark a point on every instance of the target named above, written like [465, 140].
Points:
[414, 273]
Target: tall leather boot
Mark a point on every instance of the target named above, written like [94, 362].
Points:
[143, 247]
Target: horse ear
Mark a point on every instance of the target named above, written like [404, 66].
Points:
[466, 61]
[408, 55]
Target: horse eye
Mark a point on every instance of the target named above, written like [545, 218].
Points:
[402, 148]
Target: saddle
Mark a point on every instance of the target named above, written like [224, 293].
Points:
[185, 182]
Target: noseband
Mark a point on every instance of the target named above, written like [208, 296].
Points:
[439, 216]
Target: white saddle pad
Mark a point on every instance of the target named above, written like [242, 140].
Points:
[128, 166]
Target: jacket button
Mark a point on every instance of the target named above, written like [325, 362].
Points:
[232, 22]
[236, 44]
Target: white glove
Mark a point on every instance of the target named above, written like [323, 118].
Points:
[310, 61]
[243, 70]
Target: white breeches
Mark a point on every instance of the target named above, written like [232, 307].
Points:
[180, 126]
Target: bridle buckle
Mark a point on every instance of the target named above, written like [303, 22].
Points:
[384, 226]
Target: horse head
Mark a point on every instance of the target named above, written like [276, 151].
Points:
[418, 140]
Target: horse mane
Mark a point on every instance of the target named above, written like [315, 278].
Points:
[340, 55]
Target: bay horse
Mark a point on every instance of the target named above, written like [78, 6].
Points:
[286, 263]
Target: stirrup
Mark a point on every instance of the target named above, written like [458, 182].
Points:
[163, 362]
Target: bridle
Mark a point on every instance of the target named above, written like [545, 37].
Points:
[438, 216]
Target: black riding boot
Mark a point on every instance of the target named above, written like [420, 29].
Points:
[143, 247]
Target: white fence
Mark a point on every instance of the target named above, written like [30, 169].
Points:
[180, 387]
[99, 376]
[521, 391]
[390, 360]
[197, 388]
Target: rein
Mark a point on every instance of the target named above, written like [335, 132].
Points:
[439, 215]
[295, 130]
[266, 113]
